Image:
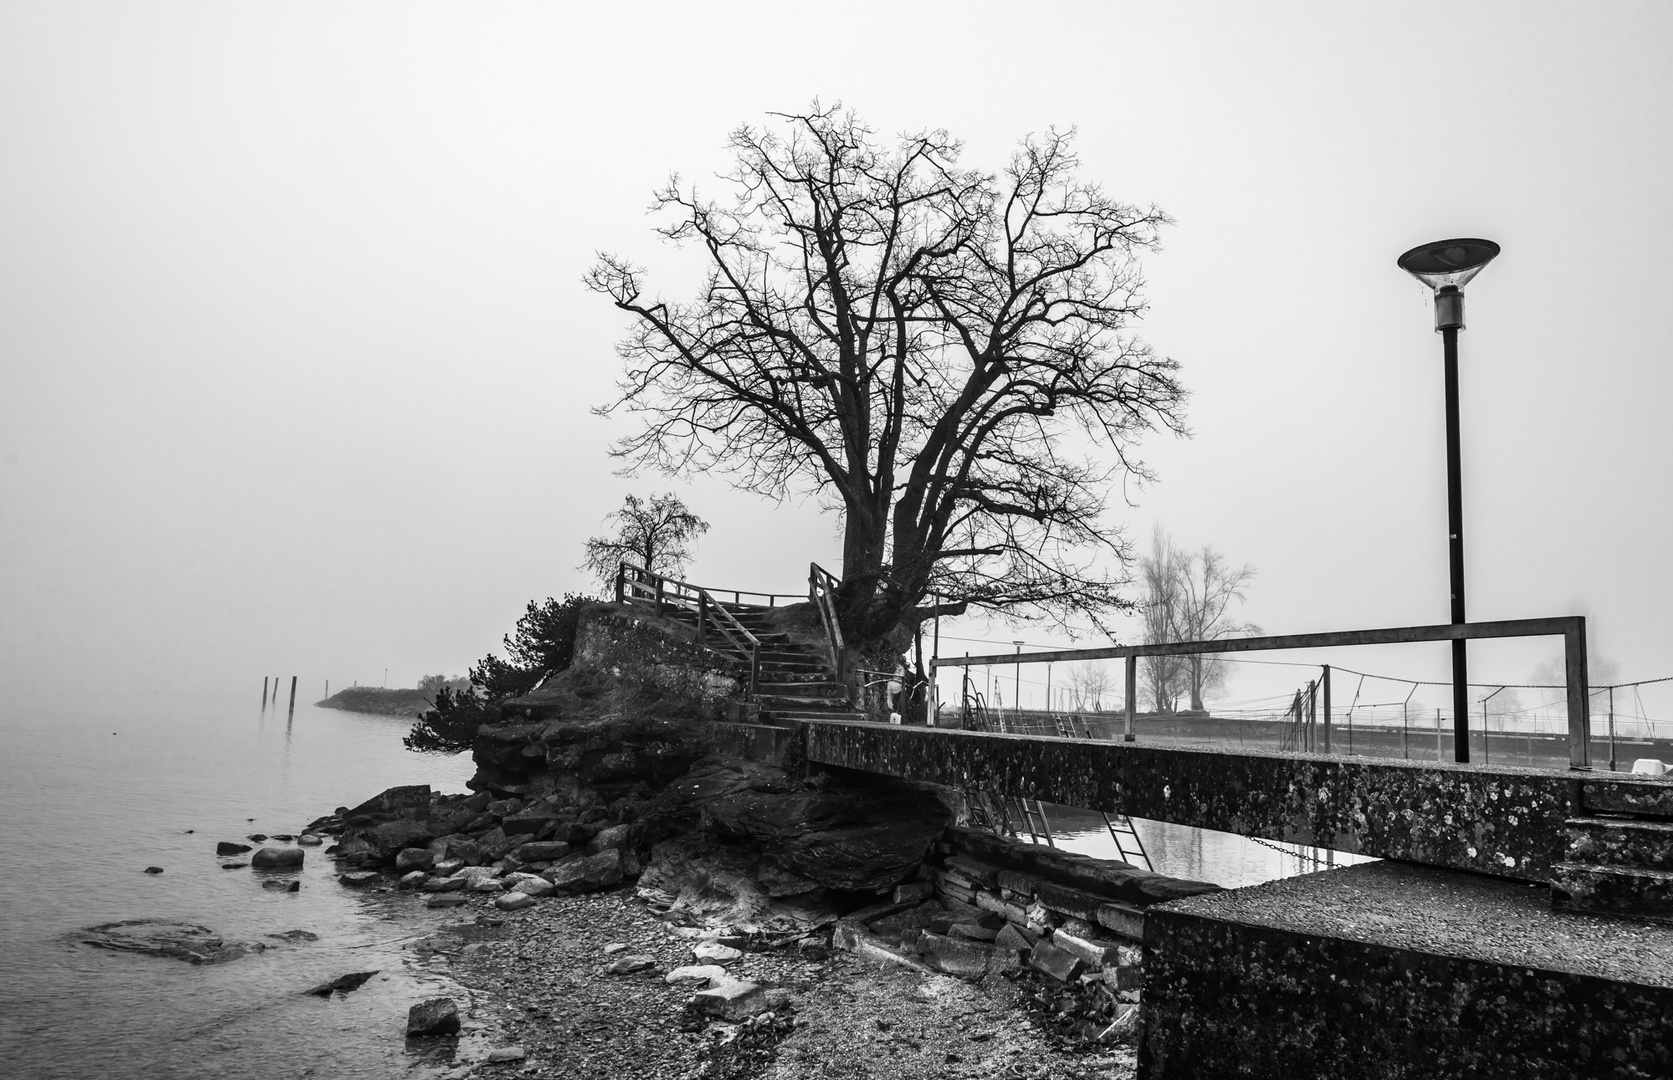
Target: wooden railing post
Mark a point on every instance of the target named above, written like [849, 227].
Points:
[621, 581]
[702, 614]
[659, 594]
[754, 668]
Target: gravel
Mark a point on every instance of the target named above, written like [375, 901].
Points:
[543, 985]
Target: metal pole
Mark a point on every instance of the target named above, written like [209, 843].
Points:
[1455, 546]
[1132, 696]
[1312, 715]
[1611, 729]
[1327, 708]
[1016, 689]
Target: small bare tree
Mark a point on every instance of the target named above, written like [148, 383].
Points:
[1187, 597]
[1092, 683]
[658, 534]
[939, 352]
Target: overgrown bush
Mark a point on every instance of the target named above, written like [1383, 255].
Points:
[542, 645]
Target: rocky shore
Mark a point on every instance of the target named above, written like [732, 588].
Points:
[633, 904]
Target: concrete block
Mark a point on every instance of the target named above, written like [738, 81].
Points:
[1016, 937]
[913, 892]
[1018, 882]
[1623, 796]
[731, 999]
[1613, 890]
[990, 901]
[1620, 842]
[1122, 919]
[1071, 902]
[984, 874]
[966, 959]
[1094, 954]
[1060, 964]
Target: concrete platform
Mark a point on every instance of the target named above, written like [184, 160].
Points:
[1394, 970]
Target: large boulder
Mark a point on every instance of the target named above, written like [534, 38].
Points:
[437, 1016]
[411, 801]
[165, 938]
[392, 837]
[588, 873]
[273, 858]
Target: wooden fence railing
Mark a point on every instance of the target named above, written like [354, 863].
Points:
[637, 585]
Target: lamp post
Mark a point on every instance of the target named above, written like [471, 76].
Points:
[1446, 266]
[1017, 691]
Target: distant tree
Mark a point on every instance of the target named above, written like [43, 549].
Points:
[542, 645]
[658, 534]
[430, 685]
[943, 354]
[1092, 683]
[1187, 597]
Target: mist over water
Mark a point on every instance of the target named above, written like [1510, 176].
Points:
[95, 789]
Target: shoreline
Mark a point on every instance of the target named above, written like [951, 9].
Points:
[539, 982]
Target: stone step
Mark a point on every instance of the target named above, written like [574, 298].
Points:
[1650, 798]
[812, 714]
[1634, 892]
[1631, 842]
[809, 687]
[779, 701]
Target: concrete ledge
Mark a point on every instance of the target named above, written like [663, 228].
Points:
[1500, 820]
[1383, 970]
[755, 742]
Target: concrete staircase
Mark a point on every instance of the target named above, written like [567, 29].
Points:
[1619, 859]
[796, 681]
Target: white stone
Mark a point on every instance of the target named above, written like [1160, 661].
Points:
[713, 952]
[514, 901]
[695, 973]
[1649, 766]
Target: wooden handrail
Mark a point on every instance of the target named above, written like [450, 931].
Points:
[821, 592]
[635, 584]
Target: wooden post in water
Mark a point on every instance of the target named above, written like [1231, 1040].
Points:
[327, 689]
[264, 693]
[292, 695]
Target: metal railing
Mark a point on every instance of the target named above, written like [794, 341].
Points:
[1571, 628]
[635, 584]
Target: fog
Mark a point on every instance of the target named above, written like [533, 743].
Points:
[296, 366]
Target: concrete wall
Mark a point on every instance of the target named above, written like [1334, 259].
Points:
[1505, 821]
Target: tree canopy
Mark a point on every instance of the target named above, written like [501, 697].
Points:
[658, 534]
[942, 353]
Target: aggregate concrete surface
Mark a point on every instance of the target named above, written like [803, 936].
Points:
[1449, 913]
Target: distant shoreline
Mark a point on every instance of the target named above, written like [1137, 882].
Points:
[378, 700]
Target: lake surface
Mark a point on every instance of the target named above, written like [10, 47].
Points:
[95, 790]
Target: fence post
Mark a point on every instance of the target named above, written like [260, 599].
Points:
[754, 668]
[1579, 696]
[1327, 708]
[1132, 697]
[659, 594]
[702, 614]
[621, 581]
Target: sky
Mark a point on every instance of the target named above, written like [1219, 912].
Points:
[297, 369]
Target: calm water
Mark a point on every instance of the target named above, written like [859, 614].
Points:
[94, 791]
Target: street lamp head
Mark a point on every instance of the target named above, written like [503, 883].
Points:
[1447, 266]
[1446, 263]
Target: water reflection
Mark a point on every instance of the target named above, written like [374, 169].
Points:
[1199, 854]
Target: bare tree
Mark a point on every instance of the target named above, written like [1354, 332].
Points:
[1092, 683]
[1187, 597]
[1161, 573]
[941, 353]
[1207, 586]
[658, 534]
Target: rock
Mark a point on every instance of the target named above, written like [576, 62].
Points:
[286, 837]
[295, 886]
[712, 952]
[616, 836]
[502, 808]
[234, 865]
[514, 901]
[165, 938]
[256, 837]
[153, 869]
[542, 851]
[272, 858]
[504, 1054]
[444, 885]
[457, 847]
[437, 1016]
[309, 839]
[446, 900]
[486, 884]
[227, 848]
[1123, 1028]
[360, 879]
[1011, 936]
[973, 932]
[447, 867]
[616, 947]
[537, 824]
[695, 973]
[627, 965]
[414, 880]
[587, 874]
[1096, 955]
[295, 935]
[1060, 964]
[344, 983]
[851, 937]
[391, 837]
[731, 999]
[914, 892]
[537, 887]
[414, 859]
[409, 799]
